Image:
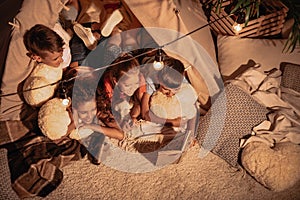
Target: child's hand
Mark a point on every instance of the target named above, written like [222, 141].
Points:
[127, 123]
[177, 122]
[87, 126]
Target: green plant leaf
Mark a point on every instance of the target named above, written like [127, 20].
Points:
[257, 3]
[247, 16]
[293, 39]
[237, 6]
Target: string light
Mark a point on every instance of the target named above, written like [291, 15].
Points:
[36, 88]
[80, 75]
[237, 28]
[158, 64]
[134, 57]
[66, 101]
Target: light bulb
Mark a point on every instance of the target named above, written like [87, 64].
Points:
[158, 65]
[237, 28]
[66, 101]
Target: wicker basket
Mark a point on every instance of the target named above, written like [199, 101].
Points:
[268, 24]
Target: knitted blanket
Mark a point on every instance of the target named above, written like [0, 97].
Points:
[35, 163]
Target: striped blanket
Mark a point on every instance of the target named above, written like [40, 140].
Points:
[35, 163]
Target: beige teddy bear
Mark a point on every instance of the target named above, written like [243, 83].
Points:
[35, 94]
[54, 119]
[182, 104]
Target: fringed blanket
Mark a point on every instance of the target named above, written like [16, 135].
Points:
[283, 122]
[35, 163]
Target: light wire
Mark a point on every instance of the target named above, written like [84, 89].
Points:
[113, 64]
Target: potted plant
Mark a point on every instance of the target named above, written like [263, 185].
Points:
[251, 9]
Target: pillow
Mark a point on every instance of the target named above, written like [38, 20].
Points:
[37, 97]
[290, 76]
[5, 187]
[222, 134]
[42, 75]
[234, 51]
[276, 168]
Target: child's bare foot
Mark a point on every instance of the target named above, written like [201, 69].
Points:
[111, 22]
[86, 35]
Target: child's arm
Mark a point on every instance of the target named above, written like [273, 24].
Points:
[135, 112]
[177, 122]
[108, 131]
[145, 106]
[112, 132]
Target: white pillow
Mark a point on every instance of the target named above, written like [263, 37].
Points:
[234, 51]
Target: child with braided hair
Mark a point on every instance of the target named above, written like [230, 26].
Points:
[84, 104]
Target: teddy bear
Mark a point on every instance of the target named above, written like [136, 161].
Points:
[40, 85]
[182, 104]
[54, 119]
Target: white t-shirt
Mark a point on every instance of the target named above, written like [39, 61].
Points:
[67, 51]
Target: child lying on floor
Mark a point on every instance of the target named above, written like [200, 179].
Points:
[170, 99]
[80, 120]
[47, 49]
[84, 105]
[124, 85]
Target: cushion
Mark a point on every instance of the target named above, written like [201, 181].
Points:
[36, 97]
[230, 118]
[276, 168]
[290, 76]
[6, 191]
[234, 51]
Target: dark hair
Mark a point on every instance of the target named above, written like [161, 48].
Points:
[83, 92]
[172, 73]
[84, 88]
[40, 38]
[84, 85]
[125, 62]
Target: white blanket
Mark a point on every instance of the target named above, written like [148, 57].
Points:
[283, 122]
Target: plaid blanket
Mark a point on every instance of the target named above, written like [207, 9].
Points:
[35, 163]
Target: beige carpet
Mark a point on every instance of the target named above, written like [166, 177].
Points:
[192, 178]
